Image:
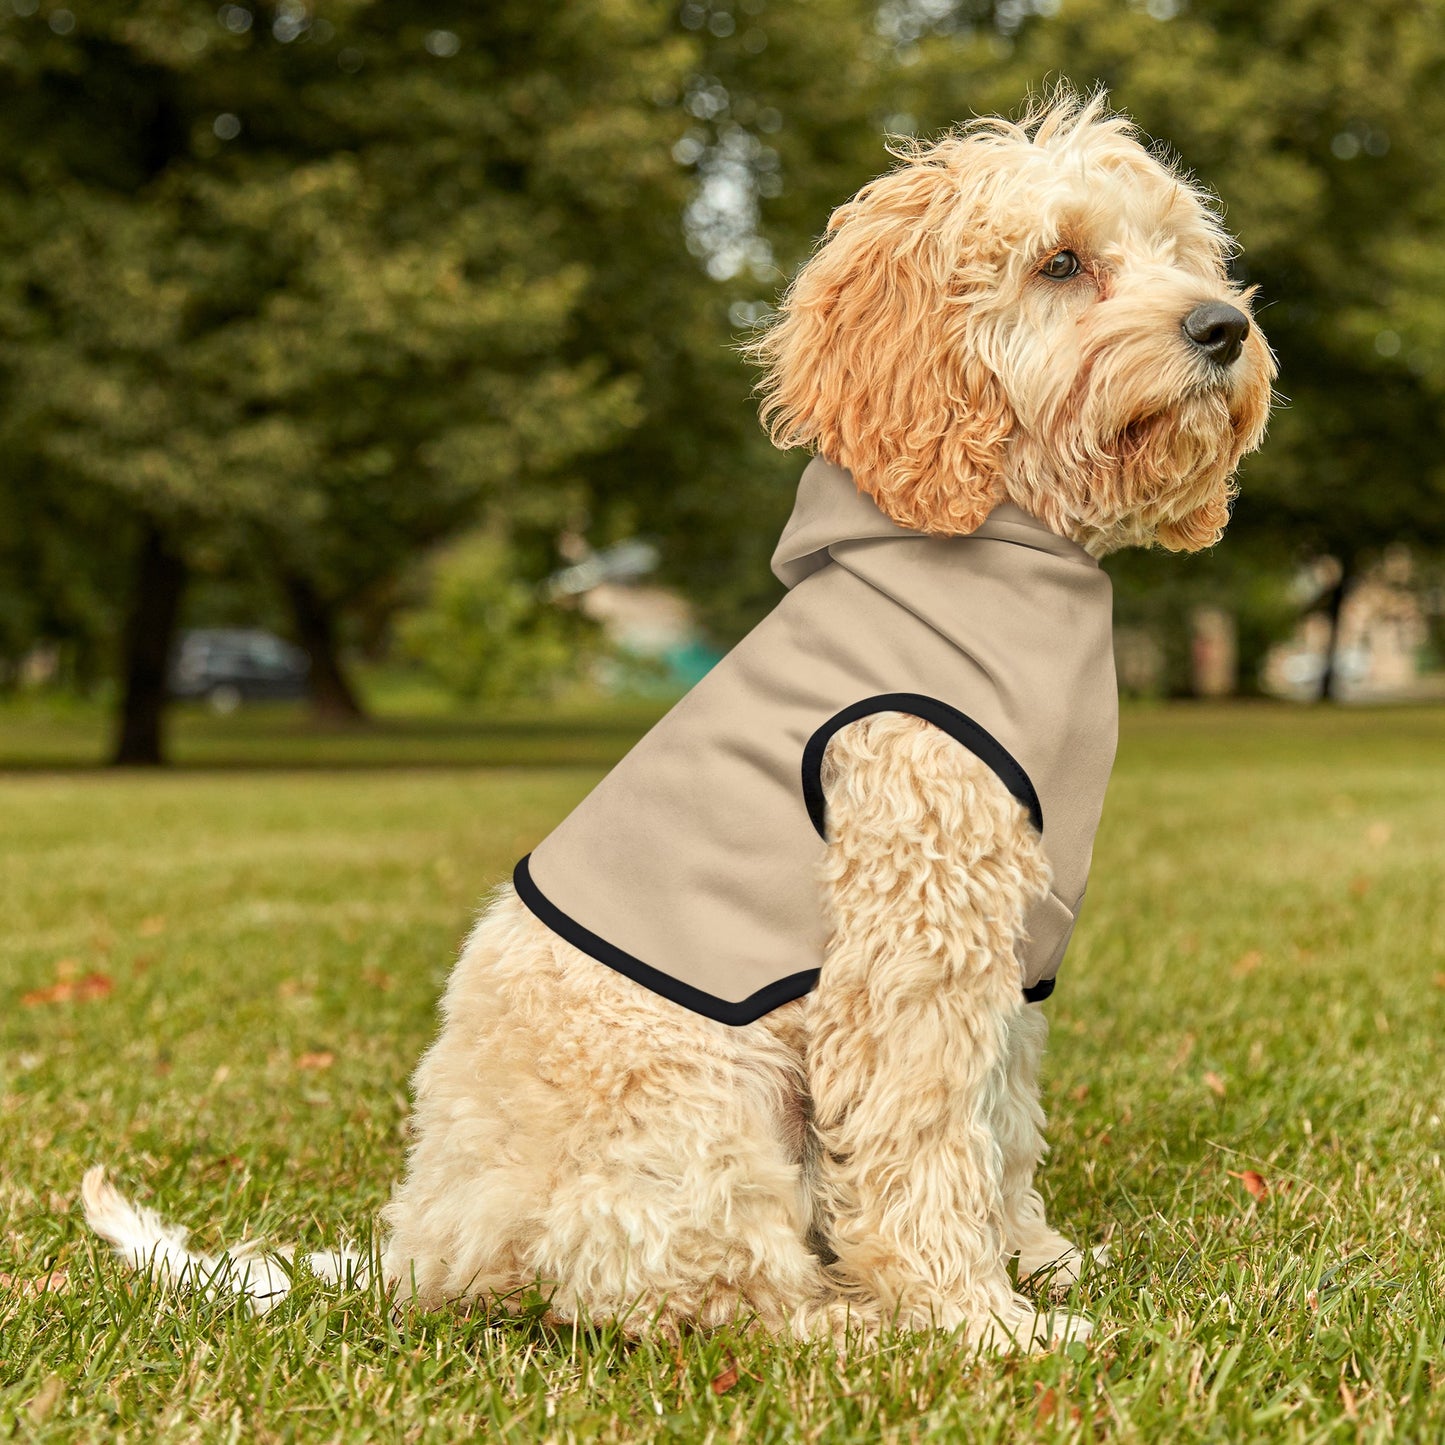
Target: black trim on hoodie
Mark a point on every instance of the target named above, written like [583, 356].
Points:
[784, 990]
[745, 1011]
[957, 725]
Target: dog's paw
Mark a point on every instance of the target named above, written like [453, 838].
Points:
[1056, 1265]
[1059, 1327]
[1022, 1326]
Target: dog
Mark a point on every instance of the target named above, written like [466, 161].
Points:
[1015, 352]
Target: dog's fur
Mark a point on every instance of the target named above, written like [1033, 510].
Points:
[865, 1155]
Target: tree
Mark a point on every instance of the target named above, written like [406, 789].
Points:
[784, 113]
[307, 287]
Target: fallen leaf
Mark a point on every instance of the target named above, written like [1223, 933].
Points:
[1247, 963]
[1080, 1094]
[1378, 834]
[321, 1059]
[1046, 1408]
[56, 993]
[377, 978]
[1359, 886]
[724, 1382]
[56, 1282]
[1214, 1083]
[152, 927]
[92, 986]
[1254, 1183]
[1440, 980]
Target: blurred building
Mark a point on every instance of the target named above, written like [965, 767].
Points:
[1382, 648]
[656, 643]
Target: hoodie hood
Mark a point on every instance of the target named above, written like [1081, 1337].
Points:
[831, 515]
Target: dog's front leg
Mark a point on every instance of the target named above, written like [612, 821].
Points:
[931, 865]
[1018, 1122]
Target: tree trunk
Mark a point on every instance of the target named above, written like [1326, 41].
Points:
[1329, 678]
[333, 699]
[150, 630]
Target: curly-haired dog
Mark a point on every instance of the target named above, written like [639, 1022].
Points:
[702, 1062]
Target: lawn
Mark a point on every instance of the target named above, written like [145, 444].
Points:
[217, 979]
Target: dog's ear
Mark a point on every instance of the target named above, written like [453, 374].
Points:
[872, 360]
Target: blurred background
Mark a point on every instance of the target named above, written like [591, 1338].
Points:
[371, 361]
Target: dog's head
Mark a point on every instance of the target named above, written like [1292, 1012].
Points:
[1037, 312]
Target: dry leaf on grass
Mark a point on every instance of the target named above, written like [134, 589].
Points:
[1255, 1183]
[321, 1059]
[724, 1382]
[1247, 963]
[66, 990]
[1440, 980]
[152, 927]
[1046, 1407]
[1214, 1083]
[56, 1282]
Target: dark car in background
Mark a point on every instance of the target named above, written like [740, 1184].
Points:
[230, 665]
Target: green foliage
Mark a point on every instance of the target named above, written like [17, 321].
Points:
[311, 287]
[314, 288]
[485, 633]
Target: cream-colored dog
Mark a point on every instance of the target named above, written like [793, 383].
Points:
[1036, 313]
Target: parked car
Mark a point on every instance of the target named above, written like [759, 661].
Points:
[230, 665]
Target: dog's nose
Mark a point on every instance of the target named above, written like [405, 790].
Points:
[1218, 330]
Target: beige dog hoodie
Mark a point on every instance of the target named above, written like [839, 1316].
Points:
[693, 867]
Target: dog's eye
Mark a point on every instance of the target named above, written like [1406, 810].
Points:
[1060, 266]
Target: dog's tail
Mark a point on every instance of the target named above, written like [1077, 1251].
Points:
[147, 1243]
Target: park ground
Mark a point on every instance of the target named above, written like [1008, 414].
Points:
[217, 979]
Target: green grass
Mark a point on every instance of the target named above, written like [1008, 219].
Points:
[408, 730]
[1257, 985]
